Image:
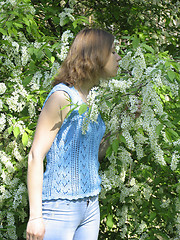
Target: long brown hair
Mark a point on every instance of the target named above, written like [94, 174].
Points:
[86, 58]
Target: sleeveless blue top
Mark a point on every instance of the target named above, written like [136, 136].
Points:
[72, 161]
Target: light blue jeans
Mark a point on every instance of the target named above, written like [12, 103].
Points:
[71, 219]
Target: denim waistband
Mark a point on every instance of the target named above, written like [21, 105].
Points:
[85, 199]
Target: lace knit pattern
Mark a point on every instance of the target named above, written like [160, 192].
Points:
[72, 161]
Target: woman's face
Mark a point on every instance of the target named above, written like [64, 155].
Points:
[112, 64]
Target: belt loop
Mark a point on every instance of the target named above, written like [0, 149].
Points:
[87, 202]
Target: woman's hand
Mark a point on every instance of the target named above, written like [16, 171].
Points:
[35, 229]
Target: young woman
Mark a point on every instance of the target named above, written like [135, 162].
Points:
[64, 202]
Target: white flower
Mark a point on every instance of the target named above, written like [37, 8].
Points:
[12, 2]
[113, 124]
[66, 35]
[157, 78]
[2, 88]
[66, 13]
[141, 227]
[16, 45]
[11, 223]
[54, 68]
[2, 121]
[64, 52]
[129, 139]
[119, 85]
[6, 160]
[176, 143]
[35, 82]
[106, 182]
[38, 44]
[175, 160]
[147, 191]
[139, 151]
[133, 103]
[165, 203]
[25, 55]
[137, 72]
[132, 182]
[18, 198]
[124, 63]
[94, 113]
[144, 236]
[122, 215]
[31, 108]
[1, 105]
[14, 103]
[15, 151]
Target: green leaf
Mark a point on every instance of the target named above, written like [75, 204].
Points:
[31, 50]
[10, 129]
[82, 108]
[149, 48]
[48, 53]
[135, 42]
[3, 31]
[168, 135]
[122, 139]
[16, 131]
[171, 75]
[19, 25]
[152, 216]
[109, 151]
[115, 145]
[109, 104]
[38, 53]
[72, 109]
[109, 221]
[56, 45]
[25, 139]
[52, 59]
[171, 131]
[65, 107]
[26, 21]
[26, 80]
[159, 128]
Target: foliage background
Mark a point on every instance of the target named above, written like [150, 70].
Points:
[139, 200]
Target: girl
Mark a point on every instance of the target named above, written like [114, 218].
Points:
[64, 202]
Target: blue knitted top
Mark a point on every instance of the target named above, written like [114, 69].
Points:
[72, 161]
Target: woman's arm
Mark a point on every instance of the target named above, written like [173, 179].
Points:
[104, 146]
[49, 123]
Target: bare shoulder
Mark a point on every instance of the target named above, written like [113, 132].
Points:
[58, 99]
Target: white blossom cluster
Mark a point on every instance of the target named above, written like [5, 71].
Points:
[6, 160]
[20, 92]
[2, 121]
[11, 231]
[2, 88]
[122, 215]
[67, 13]
[18, 198]
[175, 160]
[35, 82]
[137, 133]
[121, 85]
[165, 203]
[146, 191]
[142, 227]
[16, 102]
[64, 46]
